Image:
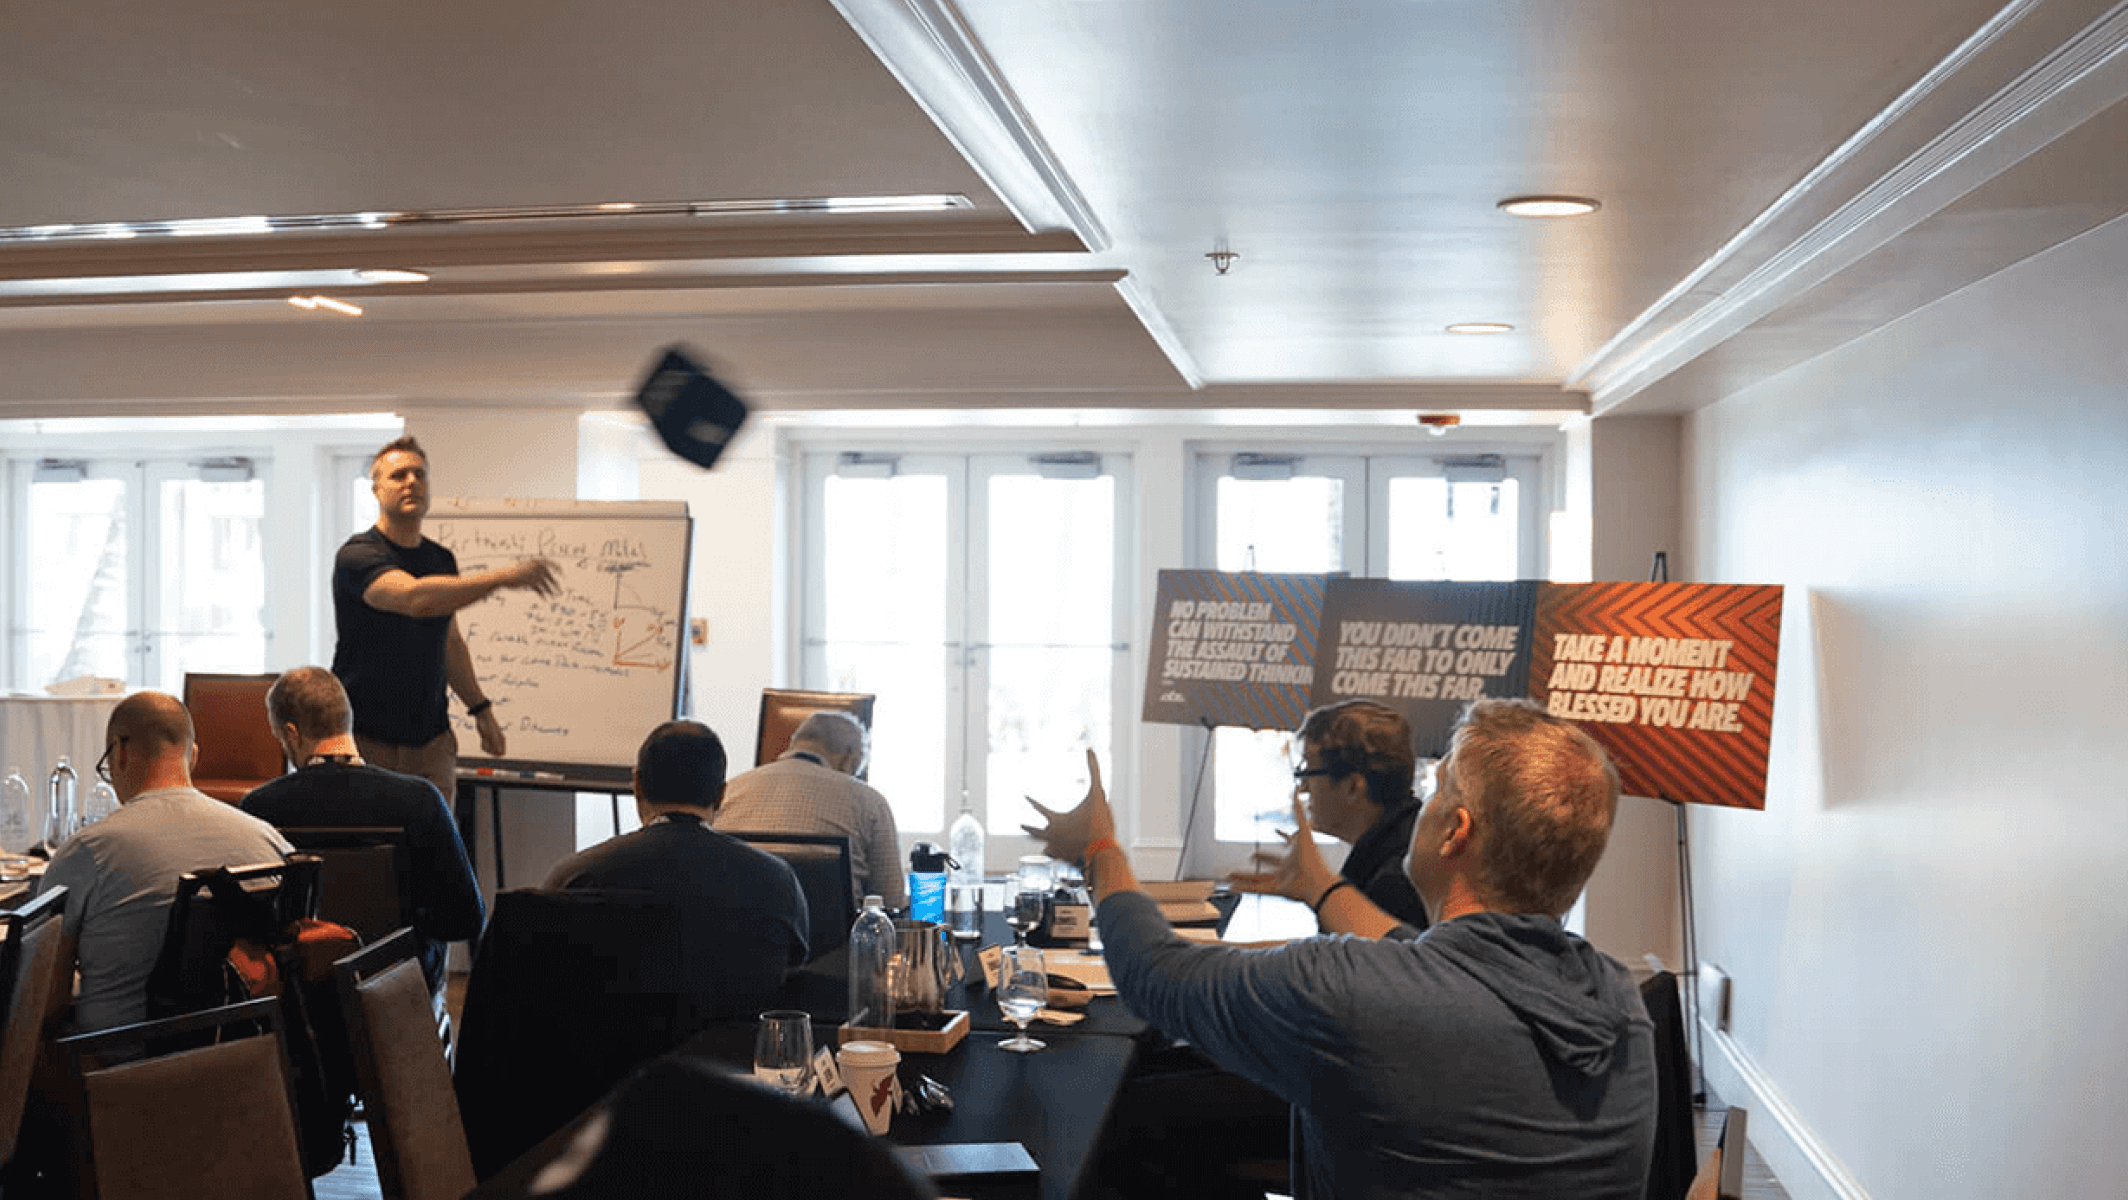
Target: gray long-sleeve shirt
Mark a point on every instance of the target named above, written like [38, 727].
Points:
[1494, 1055]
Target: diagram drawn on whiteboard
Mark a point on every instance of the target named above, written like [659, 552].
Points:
[642, 630]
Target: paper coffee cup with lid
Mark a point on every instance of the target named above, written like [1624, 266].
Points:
[869, 1071]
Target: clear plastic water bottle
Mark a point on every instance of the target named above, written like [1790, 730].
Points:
[872, 946]
[102, 802]
[964, 887]
[20, 822]
[61, 814]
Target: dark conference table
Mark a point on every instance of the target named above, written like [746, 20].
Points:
[1056, 1102]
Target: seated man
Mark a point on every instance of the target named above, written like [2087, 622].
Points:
[813, 788]
[332, 787]
[1494, 1055]
[1358, 767]
[679, 782]
[121, 873]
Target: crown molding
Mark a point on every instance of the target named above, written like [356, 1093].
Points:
[930, 48]
[2045, 95]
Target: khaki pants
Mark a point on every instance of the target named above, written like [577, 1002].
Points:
[435, 761]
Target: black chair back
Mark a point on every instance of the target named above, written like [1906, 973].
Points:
[29, 970]
[821, 861]
[365, 875]
[572, 990]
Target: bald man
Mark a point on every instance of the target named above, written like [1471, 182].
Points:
[121, 873]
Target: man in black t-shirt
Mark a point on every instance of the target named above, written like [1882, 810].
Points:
[332, 788]
[394, 593]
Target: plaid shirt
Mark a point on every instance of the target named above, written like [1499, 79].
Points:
[798, 794]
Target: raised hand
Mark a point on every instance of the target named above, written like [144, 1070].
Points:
[1298, 874]
[1066, 834]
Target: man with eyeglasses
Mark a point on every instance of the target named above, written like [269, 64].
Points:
[1358, 771]
[121, 873]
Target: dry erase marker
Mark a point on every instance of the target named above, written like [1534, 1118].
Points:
[499, 773]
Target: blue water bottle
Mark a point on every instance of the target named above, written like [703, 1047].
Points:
[927, 882]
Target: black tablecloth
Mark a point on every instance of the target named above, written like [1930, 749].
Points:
[1055, 1102]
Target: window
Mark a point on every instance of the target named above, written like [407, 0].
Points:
[139, 570]
[978, 596]
[1447, 517]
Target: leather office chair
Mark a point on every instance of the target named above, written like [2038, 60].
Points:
[821, 861]
[783, 710]
[29, 971]
[214, 1120]
[237, 751]
[417, 1135]
[572, 990]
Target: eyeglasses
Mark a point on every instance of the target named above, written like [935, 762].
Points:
[1303, 774]
[103, 765]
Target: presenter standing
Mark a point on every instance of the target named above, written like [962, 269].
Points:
[394, 596]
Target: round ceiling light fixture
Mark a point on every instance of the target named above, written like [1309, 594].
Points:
[1549, 206]
[1480, 327]
[391, 275]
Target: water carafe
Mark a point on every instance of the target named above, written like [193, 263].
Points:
[20, 822]
[61, 813]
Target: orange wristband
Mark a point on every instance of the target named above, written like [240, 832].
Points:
[1099, 844]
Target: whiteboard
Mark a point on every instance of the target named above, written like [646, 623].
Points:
[580, 677]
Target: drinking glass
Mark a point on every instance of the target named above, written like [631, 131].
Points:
[1025, 915]
[783, 1050]
[1036, 873]
[1023, 988]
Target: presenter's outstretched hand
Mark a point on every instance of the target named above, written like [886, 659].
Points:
[1066, 834]
[535, 574]
[491, 738]
[1298, 874]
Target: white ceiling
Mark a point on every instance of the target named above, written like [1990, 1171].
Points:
[1776, 178]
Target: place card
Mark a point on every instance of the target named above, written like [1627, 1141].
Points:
[825, 1075]
[993, 960]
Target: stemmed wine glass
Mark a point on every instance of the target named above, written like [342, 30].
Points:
[1023, 988]
[783, 1050]
[1025, 915]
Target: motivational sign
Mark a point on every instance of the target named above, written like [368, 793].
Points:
[1233, 649]
[1674, 679]
[1424, 649]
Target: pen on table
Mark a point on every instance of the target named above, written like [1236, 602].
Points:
[508, 773]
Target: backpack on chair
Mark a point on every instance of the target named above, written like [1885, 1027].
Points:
[274, 950]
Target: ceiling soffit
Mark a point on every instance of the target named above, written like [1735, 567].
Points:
[2045, 70]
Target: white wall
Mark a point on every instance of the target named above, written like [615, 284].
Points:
[1631, 905]
[1924, 925]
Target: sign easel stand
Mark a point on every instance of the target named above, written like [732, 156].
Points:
[1688, 970]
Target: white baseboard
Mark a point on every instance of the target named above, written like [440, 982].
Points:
[1806, 1168]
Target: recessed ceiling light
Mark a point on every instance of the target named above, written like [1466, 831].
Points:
[315, 302]
[1480, 327]
[391, 275]
[1549, 206]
